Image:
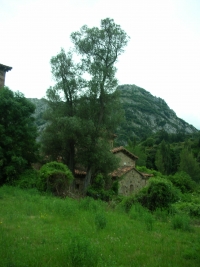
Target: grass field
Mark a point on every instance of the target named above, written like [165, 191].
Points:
[38, 230]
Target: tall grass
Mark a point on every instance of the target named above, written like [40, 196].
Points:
[38, 230]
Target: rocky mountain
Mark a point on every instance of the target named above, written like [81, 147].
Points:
[144, 114]
[41, 105]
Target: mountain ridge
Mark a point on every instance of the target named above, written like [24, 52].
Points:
[144, 114]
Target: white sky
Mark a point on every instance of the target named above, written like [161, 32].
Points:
[163, 55]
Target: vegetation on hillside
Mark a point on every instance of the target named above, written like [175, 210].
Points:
[169, 153]
[81, 116]
[39, 230]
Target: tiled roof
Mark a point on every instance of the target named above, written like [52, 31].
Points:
[121, 171]
[147, 175]
[5, 68]
[125, 151]
[79, 173]
[125, 169]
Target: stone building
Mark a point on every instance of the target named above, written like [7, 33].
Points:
[3, 70]
[129, 178]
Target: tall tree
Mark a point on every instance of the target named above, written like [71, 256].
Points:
[163, 158]
[189, 164]
[83, 114]
[100, 49]
[18, 148]
[60, 136]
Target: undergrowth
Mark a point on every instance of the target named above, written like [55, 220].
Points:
[42, 230]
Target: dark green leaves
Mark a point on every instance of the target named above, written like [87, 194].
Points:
[18, 134]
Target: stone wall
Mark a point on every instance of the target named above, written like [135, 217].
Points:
[2, 78]
[125, 160]
[131, 182]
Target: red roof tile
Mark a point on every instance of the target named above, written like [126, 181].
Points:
[125, 151]
[121, 171]
[79, 173]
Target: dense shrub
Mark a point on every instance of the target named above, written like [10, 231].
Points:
[189, 208]
[82, 252]
[160, 193]
[183, 181]
[55, 177]
[127, 203]
[28, 179]
[18, 147]
[100, 220]
[181, 221]
[98, 191]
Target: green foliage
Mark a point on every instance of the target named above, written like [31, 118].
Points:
[55, 177]
[181, 221]
[84, 113]
[71, 237]
[139, 151]
[100, 220]
[135, 210]
[145, 115]
[99, 182]
[18, 148]
[127, 203]
[190, 208]
[82, 252]
[159, 193]
[163, 159]
[98, 190]
[189, 165]
[28, 179]
[183, 181]
[161, 214]
[89, 204]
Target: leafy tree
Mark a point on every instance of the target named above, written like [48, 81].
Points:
[139, 151]
[183, 181]
[83, 114]
[100, 49]
[189, 164]
[163, 158]
[60, 136]
[18, 148]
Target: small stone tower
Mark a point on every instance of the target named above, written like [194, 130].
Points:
[3, 70]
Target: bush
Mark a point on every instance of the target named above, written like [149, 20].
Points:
[127, 203]
[55, 177]
[192, 209]
[137, 211]
[160, 193]
[97, 190]
[105, 195]
[161, 215]
[100, 220]
[82, 252]
[181, 222]
[183, 181]
[28, 179]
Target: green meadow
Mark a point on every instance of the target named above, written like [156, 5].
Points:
[42, 230]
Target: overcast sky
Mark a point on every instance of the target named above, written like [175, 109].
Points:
[163, 54]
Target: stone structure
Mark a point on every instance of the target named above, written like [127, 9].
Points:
[3, 70]
[130, 180]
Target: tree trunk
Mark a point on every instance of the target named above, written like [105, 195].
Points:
[87, 179]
